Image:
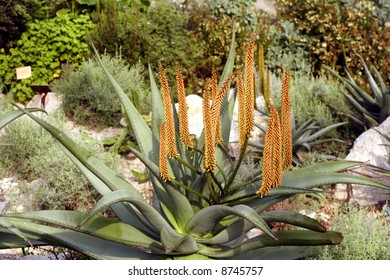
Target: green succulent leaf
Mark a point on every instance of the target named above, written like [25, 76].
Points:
[293, 219]
[13, 115]
[285, 238]
[204, 221]
[183, 244]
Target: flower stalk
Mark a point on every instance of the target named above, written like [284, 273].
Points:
[183, 114]
[168, 115]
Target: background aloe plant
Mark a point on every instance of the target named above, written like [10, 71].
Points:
[371, 108]
[199, 211]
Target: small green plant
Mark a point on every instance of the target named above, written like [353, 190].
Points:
[90, 99]
[370, 109]
[198, 211]
[366, 236]
[33, 154]
[45, 46]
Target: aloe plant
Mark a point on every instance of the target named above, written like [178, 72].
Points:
[199, 211]
[371, 108]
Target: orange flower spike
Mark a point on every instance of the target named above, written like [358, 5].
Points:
[241, 111]
[183, 114]
[250, 85]
[209, 132]
[286, 122]
[261, 69]
[272, 163]
[163, 160]
[168, 114]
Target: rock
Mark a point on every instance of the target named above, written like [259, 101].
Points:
[195, 114]
[44, 257]
[3, 206]
[371, 148]
[53, 102]
[267, 6]
[308, 213]
[253, 233]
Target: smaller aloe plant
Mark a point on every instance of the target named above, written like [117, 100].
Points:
[305, 136]
[372, 108]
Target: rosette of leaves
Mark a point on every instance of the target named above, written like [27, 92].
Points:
[371, 108]
[199, 211]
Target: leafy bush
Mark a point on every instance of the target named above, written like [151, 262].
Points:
[34, 154]
[337, 30]
[212, 24]
[15, 17]
[286, 48]
[366, 236]
[90, 99]
[157, 34]
[45, 46]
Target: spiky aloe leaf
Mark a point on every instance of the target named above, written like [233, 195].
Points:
[87, 244]
[285, 238]
[275, 253]
[229, 233]
[148, 212]
[292, 218]
[13, 115]
[181, 244]
[10, 240]
[98, 226]
[319, 133]
[157, 108]
[204, 221]
[374, 87]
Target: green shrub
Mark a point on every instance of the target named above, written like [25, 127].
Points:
[89, 97]
[337, 30]
[366, 237]
[286, 47]
[34, 154]
[211, 22]
[45, 46]
[157, 34]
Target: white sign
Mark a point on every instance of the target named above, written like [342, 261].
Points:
[23, 72]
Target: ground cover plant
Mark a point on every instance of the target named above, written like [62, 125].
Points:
[31, 154]
[88, 97]
[199, 210]
[366, 235]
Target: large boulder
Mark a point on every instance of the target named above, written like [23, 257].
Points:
[371, 148]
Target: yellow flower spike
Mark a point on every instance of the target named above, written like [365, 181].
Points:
[209, 132]
[272, 154]
[241, 111]
[168, 114]
[250, 85]
[261, 69]
[163, 160]
[183, 114]
[285, 117]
